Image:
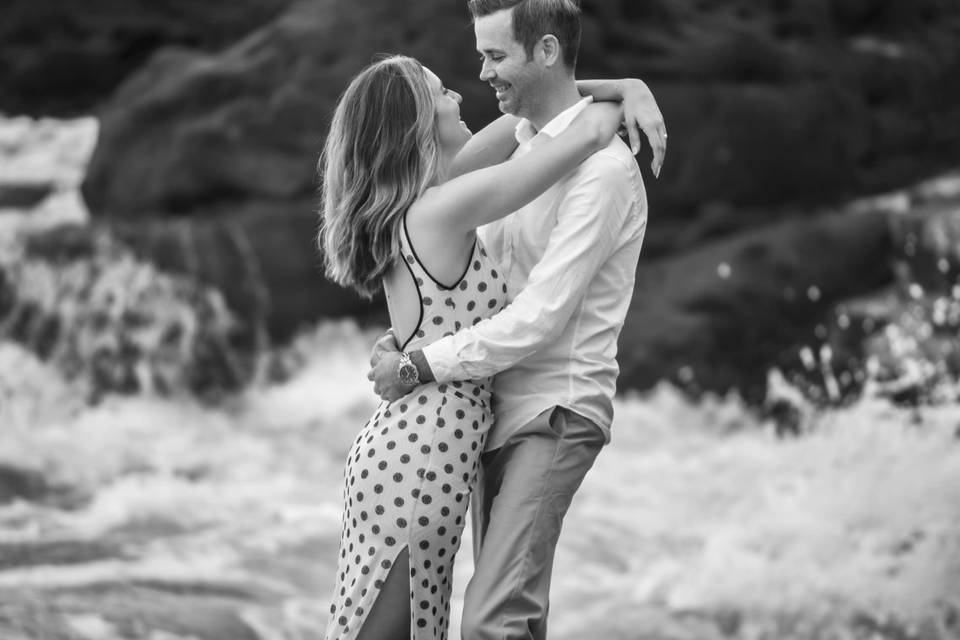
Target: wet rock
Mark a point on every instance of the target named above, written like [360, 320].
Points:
[25, 484]
[263, 258]
[123, 610]
[83, 301]
[55, 552]
[766, 103]
[903, 340]
[62, 58]
[247, 124]
[23, 195]
[719, 317]
[270, 274]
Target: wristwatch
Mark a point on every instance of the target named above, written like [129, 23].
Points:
[407, 371]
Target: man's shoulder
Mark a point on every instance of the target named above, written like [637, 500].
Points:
[616, 151]
[614, 165]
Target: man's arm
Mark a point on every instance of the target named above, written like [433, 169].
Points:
[589, 225]
[385, 369]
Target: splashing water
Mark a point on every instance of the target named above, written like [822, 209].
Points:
[696, 521]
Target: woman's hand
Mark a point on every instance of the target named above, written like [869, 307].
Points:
[642, 113]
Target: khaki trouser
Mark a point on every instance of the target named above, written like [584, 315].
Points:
[518, 506]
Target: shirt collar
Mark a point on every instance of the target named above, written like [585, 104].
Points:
[525, 131]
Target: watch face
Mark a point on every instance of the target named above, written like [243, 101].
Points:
[408, 374]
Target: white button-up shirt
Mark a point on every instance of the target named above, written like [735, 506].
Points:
[570, 257]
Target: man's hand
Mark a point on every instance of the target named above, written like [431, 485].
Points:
[383, 373]
[642, 113]
[384, 344]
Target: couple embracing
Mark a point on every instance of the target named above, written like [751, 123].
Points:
[507, 259]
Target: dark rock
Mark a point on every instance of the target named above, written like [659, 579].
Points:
[910, 331]
[765, 102]
[719, 317]
[270, 273]
[263, 258]
[62, 58]
[118, 323]
[207, 161]
[248, 124]
[63, 244]
[23, 195]
[786, 102]
[928, 243]
[55, 552]
[20, 483]
[131, 610]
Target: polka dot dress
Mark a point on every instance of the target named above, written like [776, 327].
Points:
[410, 470]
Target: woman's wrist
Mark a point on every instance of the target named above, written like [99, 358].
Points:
[620, 88]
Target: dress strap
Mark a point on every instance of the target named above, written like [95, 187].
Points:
[410, 252]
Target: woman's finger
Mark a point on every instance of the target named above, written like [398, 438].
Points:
[663, 148]
[633, 133]
[657, 135]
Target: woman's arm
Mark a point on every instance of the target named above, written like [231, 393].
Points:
[640, 112]
[478, 197]
[491, 145]
[496, 141]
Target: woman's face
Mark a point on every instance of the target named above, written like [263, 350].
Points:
[452, 131]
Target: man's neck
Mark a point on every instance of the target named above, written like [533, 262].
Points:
[554, 102]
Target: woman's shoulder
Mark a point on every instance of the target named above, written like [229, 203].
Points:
[433, 208]
[428, 222]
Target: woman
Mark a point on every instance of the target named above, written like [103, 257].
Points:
[402, 197]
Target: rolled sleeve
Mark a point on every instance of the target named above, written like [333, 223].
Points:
[590, 221]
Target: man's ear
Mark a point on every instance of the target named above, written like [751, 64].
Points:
[549, 48]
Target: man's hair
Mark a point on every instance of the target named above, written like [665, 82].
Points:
[533, 19]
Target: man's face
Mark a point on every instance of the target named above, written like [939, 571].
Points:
[505, 65]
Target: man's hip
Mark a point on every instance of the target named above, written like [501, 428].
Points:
[527, 486]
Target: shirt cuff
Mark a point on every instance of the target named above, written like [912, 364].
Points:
[442, 359]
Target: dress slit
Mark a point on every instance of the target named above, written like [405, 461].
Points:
[385, 624]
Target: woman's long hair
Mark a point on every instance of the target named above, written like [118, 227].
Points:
[381, 154]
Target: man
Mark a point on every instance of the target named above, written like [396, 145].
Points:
[569, 258]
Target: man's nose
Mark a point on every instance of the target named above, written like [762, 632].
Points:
[486, 72]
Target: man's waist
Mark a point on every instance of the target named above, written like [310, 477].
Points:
[555, 368]
[519, 387]
[509, 419]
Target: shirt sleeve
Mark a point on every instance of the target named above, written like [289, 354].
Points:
[590, 221]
